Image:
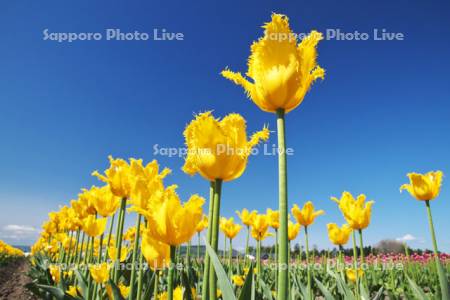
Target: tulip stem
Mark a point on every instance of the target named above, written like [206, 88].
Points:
[246, 245]
[171, 273]
[258, 258]
[282, 206]
[215, 239]
[441, 273]
[361, 245]
[198, 246]
[119, 235]
[308, 269]
[111, 224]
[205, 282]
[230, 257]
[355, 261]
[135, 252]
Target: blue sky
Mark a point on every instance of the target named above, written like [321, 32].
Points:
[381, 112]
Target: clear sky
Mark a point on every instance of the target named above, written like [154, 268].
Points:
[381, 112]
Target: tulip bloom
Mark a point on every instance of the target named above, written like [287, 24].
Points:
[118, 177]
[338, 236]
[100, 272]
[352, 275]
[94, 227]
[260, 227]
[293, 230]
[306, 215]
[274, 218]
[155, 252]
[357, 213]
[424, 186]
[104, 201]
[238, 280]
[281, 69]
[171, 222]
[230, 229]
[219, 149]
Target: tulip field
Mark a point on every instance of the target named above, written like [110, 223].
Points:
[86, 251]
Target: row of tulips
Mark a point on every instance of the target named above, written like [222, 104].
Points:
[8, 252]
[281, 72]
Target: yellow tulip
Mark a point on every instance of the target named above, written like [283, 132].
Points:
[124, 290]
[274, 218]
[351, 274]
[148, 184]
[293, 230]
[424, 186]
[118, 176]
[94, 227]
[238, 280]
[229, 228]
[306, 215]
[281, 70]
[219, 149]
[260, 227]
[104, 201]
[156, 253]
[100, 272]
[202, 224]
[246, 216]
[338, 236]
[112, 253]
[173, 223]
[72, 291]
[55, 273]
[356, 212]
[177, 294]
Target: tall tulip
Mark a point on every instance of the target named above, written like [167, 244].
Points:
[281, 72]
[218, 150]
[172, 223]
[426, 187]
[246, 219]
[306, 217]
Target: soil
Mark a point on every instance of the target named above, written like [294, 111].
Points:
[13, 278]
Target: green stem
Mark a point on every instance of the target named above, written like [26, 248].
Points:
[215, 239]
[134, 257]
[308, 268]
[276, 258]
[441, 273]
[224, 247]
[111, 224]
[119, 235]
[80, 251]
[141, 270]
[171, 273]
[355, 262]
[282, 206]
[230, 257]
[205, 282]
[155, 290]
[100, 249]
[361, 246]
[258, 257]
[198, 246]
[246, 246]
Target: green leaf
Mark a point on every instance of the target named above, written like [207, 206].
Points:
[246, 291]
[55, 292]
[417, 291]
[379, 294]
[82, 282]
[224, 283]
[326, 293]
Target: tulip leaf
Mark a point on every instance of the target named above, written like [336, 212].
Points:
[378, 294]
[246, 291]
[417, 291]
[326, 293]
[266, 290]
[115, 290]
[150, 286]
[224, 283]
[82, 282]
[55, 292]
